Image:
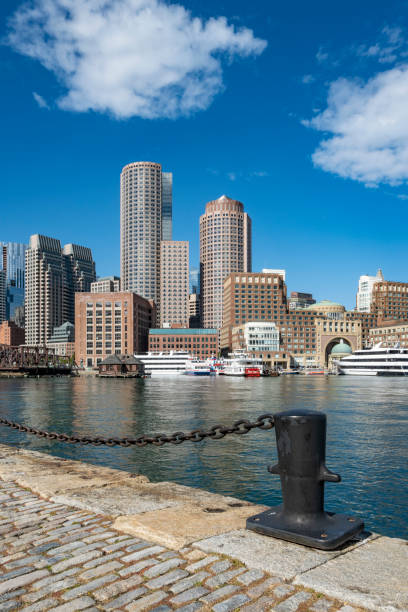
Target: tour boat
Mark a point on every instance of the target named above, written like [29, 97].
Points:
[239, 364]
[376, 361]
[195, 367]
[164, 364]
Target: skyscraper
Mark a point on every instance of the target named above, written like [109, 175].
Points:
[53, 276]
[365, 291]
[145, 219]
[174, 265]
[2, 295]
[13, 264]
[225, 247]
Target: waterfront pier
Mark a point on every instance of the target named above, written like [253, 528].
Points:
[76, 536]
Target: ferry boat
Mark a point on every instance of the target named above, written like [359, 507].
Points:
[164, 364]
[376, 361]
[195, 367]
[239, 364]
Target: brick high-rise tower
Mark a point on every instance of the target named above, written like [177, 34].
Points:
[225, 247]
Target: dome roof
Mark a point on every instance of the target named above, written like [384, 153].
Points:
[341, 348]
[324, 304]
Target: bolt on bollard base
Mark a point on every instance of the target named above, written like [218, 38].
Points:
[301, 441]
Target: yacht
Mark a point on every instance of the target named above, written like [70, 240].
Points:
[239, 364]
[163, 364]
[195, 367]
[378, 360]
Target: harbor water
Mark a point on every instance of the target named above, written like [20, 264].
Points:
[367, 437]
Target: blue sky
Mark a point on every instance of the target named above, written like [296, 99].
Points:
[297, 109]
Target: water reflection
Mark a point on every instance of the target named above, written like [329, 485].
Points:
[367, 433]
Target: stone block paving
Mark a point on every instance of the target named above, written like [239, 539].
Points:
[55, 557]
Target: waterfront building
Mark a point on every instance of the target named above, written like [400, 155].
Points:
[53, 275]
[62, 341]
[2, 295]
[225, 247]
[145, 218]
[109, 324]
[10, 334]
[107, 284]
[390, 301]
[194, 310]
[306, 335]
[256, 336]
[299, 300]
[174, 279]
[365, 291]
[282, 273]
[202, 343]
[12, 262]
[390, 334]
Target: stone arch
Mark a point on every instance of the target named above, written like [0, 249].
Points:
[333, 340]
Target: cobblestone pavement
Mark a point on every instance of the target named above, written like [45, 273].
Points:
[54, 557]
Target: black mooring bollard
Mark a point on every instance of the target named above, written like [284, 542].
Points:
[301, 441]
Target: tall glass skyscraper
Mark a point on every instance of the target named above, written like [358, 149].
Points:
[145, 220]
[12, 262]
[167, 205]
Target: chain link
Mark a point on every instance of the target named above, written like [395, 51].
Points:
[217, 432]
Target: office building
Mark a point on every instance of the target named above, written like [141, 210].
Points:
[107, 284]
[256, 336]
[225, 247]
[62, 341]
[80, 274]
[281, 273]
[365, 291]
[52, 276]
[202, 343]
[12, 262]
[167, 206]
[10, 334]
[194, 310]
[145, 218]
[194, 280]
[173, 304]
[2, 295]
[299, 300]
[111, 323]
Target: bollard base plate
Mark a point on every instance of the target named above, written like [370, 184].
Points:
[327, 531]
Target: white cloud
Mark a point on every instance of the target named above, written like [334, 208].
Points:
[367, 129]
[321, 55]
[232, 176]
[144, 58]
[40, 100]
[307, 79]
[390, 47]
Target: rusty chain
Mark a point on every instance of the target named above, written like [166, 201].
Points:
[265, 421]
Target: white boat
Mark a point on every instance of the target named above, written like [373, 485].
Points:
[195, 367]
[164, 364]
[240, 364]
[376, 361]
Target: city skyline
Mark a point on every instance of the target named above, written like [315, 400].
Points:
[324, 218]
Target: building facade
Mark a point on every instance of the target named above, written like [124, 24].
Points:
[173, 304]
[225, 247]
[12, 262]
[62, 341]
[299, 300]
[2, 295]
[10, 334]
[52, 276]
[194, 310]
[390, 301]
[365, 291]
[201, 343]
[107, 284]
[145, 205]
[390, 334]
[115, 323]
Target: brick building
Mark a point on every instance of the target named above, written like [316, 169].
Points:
[389, 301]
[203, 343]
[390, 334]
[10, 334]
[111, 323]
